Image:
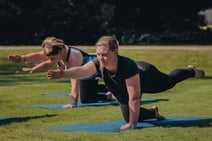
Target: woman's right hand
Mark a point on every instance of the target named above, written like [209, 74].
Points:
[69, 106]
[15, 58]
[54, 74]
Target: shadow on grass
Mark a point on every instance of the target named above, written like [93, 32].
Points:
[22, 119]
[13, 75]
[18, 79]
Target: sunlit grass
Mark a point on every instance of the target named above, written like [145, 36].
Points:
[189, 98]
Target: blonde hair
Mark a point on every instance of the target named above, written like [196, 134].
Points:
[56, 45]
[110, 41]
[53, 41]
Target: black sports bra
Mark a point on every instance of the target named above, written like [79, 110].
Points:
[68, 56]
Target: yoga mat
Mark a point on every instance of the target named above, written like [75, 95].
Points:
[5, 117]
[100, 103]
[63, 94]
[114, 126]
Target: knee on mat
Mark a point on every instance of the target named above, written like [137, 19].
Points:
[88, 99]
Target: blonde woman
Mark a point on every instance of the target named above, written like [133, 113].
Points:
[55, 51]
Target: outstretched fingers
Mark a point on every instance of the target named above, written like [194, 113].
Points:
[15, 58]
[54, 74]
[50, 74]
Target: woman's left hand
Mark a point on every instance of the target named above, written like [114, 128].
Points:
[30, 70]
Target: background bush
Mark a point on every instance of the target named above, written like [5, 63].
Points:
[25, 22]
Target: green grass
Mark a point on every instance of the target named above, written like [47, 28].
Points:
[189, 98]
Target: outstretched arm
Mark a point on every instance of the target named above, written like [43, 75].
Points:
[31, 57]
[43, 66]
[74, 72]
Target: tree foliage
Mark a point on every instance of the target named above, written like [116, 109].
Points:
[83, 21]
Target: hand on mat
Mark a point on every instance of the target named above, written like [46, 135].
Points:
[54, 74]
[69, 106]
[128, 126]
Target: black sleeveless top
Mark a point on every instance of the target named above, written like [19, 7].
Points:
[86, 57]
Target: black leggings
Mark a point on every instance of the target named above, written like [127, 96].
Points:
[89, 91]
[155, 81]
[144, 113]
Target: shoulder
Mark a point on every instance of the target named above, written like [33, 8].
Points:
[75, 58]
[126, 62]
[96, 62]
[78, 50]
[127, 67]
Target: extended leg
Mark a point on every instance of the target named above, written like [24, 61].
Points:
[155, 81]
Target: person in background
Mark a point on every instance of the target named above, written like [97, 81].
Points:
[55, 51]
[127, 80]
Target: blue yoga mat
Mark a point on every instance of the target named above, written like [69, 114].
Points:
[6, 117]
[100, 103]
[64, 94]
[114, 126]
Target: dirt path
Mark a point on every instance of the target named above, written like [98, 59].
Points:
[169, 47]
[175, 47]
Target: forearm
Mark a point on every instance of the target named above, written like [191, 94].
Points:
[134, 109]
[33, 57]
[42, 67]
[74, 73]
[74, 91]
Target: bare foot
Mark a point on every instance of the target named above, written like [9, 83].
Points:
[199, 73]
[157, 115]
[110, 96]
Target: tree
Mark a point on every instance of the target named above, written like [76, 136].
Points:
[158, 16]
[83, 21]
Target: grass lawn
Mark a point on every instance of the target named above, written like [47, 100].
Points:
[190, 98]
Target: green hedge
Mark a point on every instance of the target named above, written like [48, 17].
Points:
[203, 37]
